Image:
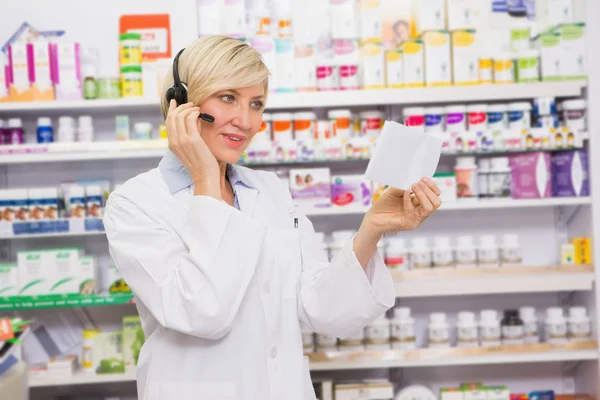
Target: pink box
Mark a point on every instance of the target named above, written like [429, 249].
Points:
[18, 72]
[531, 176]
[66, 71]
[40, 72]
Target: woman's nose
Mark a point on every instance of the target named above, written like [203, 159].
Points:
[242, 118]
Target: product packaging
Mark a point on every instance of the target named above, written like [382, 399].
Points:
[438, 63]
[567, 254]
[531, 176]
[353, 391]
[473, 391]
[110, 281]
[429, 15]
[465, 58]
[285, 75]
[133, 339]
[86, 275]
[582, 250]
[551, 57]
[451, 394]
[306, 68]
[67, 266]
[108, 353]
[372, 58]
[18, 73]
[462, 14]
[9, 280]
[573, 52]
[310, 188]
[446, 182]
[347, 57]
[350, 190]
[66, 71]
[414, 64]
[38, 55]
[570, 174]
[35, 274]
[394, 69]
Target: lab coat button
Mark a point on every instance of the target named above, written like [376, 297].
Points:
[274, 353]
[267, 288]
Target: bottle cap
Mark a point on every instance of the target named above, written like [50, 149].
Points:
[15, 123]
[402, 312]
[554, 313]
[437, 318]
[44, 121]
[487, 241]
[488, 315]
[511, 313]
[577, 312]
[85, 121]
[464, 242]
[66, 121]
[510, 239]
[466, 317]
[442, 242]
[396, 243]
[419, 243]
[527, 313]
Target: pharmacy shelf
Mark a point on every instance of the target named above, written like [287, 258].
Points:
[18, 303]
[479, 281]
[331, 361]
[537, 353]
[51, 228]
[466, 205]
[307, 100]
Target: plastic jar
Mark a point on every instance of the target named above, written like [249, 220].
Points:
[489, 328]
[442, 252]
[420, 255]
[466, 252]
[527, 66]
[340, 123]
[14, 133]
[414, 117]
[304, 126]
[574, 114]
[497, 117]
[66, 129]
[403, 329]
[579, 325]
[483, 173]
[142, 130]
[265, 132]
[377, 334]
[503, 68]
[354, 342]
[486, 70]
[45, 134]
[456, 120]
[371, 123]
[466, 178]
[434, 119]
[530, 324]
[308, 340]
[339, 240]
[556, 326]
[500, 178]
[282, 126]
[439, 332]
[396, 254]
[326, 342]
[87, 350]
[477, 117]
[85, 129]
[131, 81]
[510, 250]
[466, 330]
[513, 329]
[130, 49]
[108, 88]
[519, 115]
[487, 252]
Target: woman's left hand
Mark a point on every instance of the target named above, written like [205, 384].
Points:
[396, 210]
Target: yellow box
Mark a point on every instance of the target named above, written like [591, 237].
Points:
[583, 250]
[394, 66]
[438, 65]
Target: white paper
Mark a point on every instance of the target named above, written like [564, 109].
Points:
[403, 156]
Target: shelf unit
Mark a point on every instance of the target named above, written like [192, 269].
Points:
[62, 301]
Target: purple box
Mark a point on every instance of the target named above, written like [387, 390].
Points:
[531, 176]
[570, 174]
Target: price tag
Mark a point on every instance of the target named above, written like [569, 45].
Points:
[6, 330]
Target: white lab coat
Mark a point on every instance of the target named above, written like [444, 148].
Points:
[221, 292]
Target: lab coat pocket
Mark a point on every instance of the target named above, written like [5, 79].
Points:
[309, 391]
[289, 262]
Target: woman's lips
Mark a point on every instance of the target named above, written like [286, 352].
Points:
[234, 141]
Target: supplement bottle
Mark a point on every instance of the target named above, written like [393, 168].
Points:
[66, 129]
[483, 176]
[513, 329]
[466, 253]
[87, 350]
[487, 252]
[90, 86]
[414, 117]
[489, 328]
[556, 326]
[456, 120]
[396, 254]
[434, 120]
[439, 335]
[403, 329]
[466, 330]
[497, 117]
[527, 314]
[579, 325]
[420, 255]
[574, 114]
[377, 334]
[14, 134]
[354, 342]
[442, 252]
[477, 117]
[326, 342]
[45, 134]
[510, 250]
[499, 178]
[466, 178]
[519, 115]
[304, 126]
[85, 131]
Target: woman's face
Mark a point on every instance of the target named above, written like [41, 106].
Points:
[238, 116]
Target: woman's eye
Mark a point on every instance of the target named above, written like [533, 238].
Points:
[257, 105]
[227, 98]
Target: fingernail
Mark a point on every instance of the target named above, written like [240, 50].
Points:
[421, 185]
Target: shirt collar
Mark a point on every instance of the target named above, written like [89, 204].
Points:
[177, 177]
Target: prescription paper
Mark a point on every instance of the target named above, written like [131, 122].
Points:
[403, 156]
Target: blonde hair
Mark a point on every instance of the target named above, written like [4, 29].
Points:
[216, 63]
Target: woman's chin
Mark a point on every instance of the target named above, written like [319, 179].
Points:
[229, 156]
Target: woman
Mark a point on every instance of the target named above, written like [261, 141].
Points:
[222, 267]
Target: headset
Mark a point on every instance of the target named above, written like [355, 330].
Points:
[179, 90]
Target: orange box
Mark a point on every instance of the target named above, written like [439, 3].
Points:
[583, 250]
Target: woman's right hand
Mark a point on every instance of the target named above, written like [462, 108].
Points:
[187, 144]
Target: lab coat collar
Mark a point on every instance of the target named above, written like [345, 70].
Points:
[177, 177]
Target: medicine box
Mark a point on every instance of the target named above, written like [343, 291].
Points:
[36, 275]
[583, 252]
[310, 188]
[531, 176]
[372, 59]
[473, 391]
[9, 280]
[573, 50]
[66, 70]
[18, 72]
[462, 14]
[133, 339]
[87, 275]
[364, 391]
[570, 174]
[39, 63]
[66, 263]
[437, 62]
[429, 15]
[567, 254]
[451, 394]
[497, 393]
[414, 66]
[465, 58]
[394, 69]
[108, 353]
[548, 43]
[350, 190]
[109, 280]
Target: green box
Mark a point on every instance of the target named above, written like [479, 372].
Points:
[9, 280]
[108, 353]
[133, 339]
